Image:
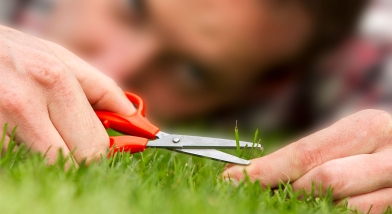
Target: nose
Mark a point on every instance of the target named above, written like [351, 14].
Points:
[122, 57]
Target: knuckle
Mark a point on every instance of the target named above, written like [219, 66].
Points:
[48, 72]
[111, 84]
[375, 126]
[308, 157]
[383, 119]
[12, 102]
[257, 173]
[110, 91]
[374, 118]
[329, 175]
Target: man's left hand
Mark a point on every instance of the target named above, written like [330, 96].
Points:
[353, 156]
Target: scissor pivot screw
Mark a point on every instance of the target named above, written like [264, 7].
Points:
[176, 140]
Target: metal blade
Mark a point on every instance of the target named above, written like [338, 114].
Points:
[194, 142]
[214, 154]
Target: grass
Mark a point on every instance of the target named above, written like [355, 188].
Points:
[156, 181]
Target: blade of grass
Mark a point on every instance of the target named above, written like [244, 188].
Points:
[237, 138]
[11, 143]
[242, 152]
[256, 135]
[252, 151]
[253, 144]
[3, 138]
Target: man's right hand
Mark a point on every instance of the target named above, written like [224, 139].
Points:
[50, 94]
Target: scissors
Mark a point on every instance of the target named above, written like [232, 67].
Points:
[141, 134]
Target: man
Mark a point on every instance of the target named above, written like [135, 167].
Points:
[188, 58]
[199, 60]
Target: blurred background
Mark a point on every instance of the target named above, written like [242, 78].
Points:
[286, 67]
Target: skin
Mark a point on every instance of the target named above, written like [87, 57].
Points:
[354, 156]
[49, 93]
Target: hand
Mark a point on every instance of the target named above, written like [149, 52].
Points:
[49, 93]
[354, 156]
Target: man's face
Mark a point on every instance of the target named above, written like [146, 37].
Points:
[185, 58]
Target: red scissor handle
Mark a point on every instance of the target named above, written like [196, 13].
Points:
[136, 124]
[127, 144]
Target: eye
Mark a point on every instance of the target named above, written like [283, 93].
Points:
[192, 78]
[195, 72]
[137, 6]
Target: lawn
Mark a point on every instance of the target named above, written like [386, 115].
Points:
[156, 181]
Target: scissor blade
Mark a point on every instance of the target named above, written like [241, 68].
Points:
[194, 142]
[215, 155]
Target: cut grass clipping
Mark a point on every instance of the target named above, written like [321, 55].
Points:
[155, 181]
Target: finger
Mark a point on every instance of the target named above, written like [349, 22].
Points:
[38, 134]
[75, 120]
[362, 133]
[49, 144]
[101, 91]
[377, 201]
[349, 176]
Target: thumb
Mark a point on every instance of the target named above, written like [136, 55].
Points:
[104, 94]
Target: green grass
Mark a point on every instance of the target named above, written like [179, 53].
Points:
[156, 181]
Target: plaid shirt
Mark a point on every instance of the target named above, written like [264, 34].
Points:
[359, 77]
